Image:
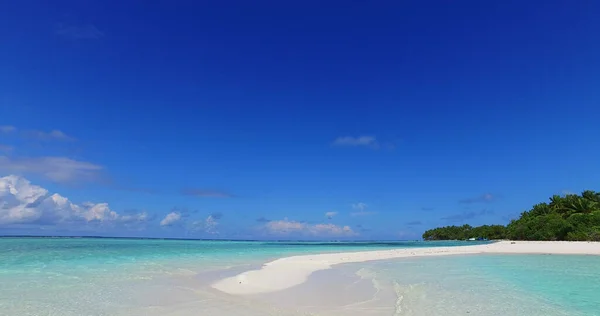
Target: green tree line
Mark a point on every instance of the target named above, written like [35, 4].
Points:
[571, 217]
[465, 232]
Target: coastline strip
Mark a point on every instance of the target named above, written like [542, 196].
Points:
[287, 272]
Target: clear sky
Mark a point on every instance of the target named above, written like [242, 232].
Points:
[316, 120]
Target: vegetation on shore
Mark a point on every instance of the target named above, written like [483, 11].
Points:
[571, 217]
[466, 232]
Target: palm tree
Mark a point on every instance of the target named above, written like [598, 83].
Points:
[557, 203]
[581, 205]
[540, 209]
[591, 195]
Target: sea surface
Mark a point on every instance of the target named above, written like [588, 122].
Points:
[490, 284]
[103, 276]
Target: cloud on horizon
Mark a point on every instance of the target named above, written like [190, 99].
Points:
[208, 225]
[22, 203]
[211, 223]
[170, 219]
[288, 227]
[180, 218]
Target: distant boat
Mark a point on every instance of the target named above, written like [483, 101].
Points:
[477, 239]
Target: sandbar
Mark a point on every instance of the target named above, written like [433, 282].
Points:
[287, 272]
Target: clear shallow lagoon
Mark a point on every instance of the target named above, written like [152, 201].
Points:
[104, 276]
[532, 285]
[89, 276]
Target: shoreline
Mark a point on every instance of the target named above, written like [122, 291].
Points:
[288, 272]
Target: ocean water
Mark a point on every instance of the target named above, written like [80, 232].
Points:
[100, 276]
[88, 276]
[532, 285]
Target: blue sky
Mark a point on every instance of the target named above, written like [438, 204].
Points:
[314, 120]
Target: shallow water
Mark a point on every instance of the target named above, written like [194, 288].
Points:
[100, 276]
[489, 284]
[87, 276]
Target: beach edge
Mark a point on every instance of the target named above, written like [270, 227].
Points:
[288, 272]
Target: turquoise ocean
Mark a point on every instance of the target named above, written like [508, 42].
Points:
[490, 284]
[104, 276]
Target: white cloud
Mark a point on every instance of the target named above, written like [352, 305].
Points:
[57, 169]
[136, 217]
[331, 229]
[24, 203]
[7, 129]
[287, 227]
[170, 219]
[350, 141]
[98, 212]
[210, 224]
[330, 215]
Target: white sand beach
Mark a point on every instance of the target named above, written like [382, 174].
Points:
[291, 271]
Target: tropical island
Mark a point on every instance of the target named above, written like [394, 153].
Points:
[571, 217]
